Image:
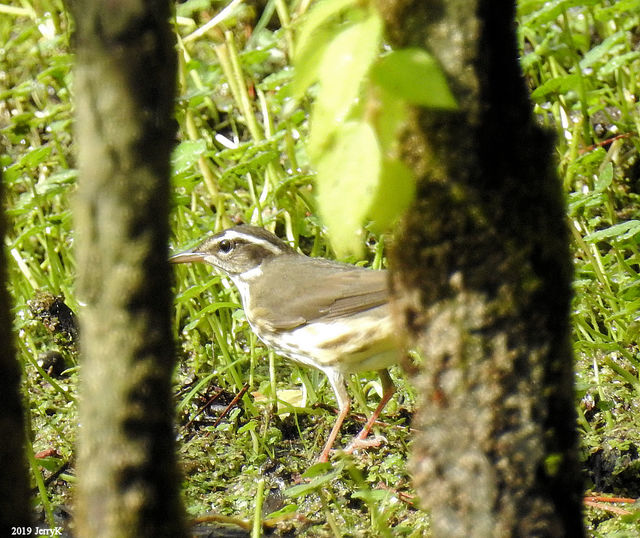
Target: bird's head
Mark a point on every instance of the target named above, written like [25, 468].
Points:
[237, 251]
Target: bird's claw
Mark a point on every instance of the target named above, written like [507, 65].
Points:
[365, 442]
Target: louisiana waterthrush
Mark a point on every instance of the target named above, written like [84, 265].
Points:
[332, 316]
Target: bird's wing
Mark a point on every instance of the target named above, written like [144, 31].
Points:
[354, 291]
[328, 291]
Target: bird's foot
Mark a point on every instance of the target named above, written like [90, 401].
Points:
[364, 442]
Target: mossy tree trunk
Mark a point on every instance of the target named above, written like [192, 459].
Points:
[483, 285]
[124, 85]
[14, 485]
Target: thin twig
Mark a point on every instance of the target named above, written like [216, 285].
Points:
[607, 508]
[605, 142]
[203, 407]
[231, 405]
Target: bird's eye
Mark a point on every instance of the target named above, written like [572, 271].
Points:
[225, 246]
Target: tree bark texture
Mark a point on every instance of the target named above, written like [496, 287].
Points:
[125, 84]
[14, 485]
[482, 281]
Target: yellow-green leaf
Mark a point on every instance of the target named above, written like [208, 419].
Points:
[389, 115]
[186, 154]
[319, 27]
[347, 180]
[344, 66]
[414, 75]
[317, 19]
[307, 66]
[395, 191]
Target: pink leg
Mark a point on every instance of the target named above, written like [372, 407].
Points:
[360, 440]
[342, 398]
[324, 456]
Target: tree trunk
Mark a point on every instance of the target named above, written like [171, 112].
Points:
[483, 285]
[14, 486]
[124, 85]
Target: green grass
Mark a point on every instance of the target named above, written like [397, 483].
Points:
[241, 157]
[583, 65]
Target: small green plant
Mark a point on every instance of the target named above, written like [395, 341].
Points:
[582, 62]
[358, 112]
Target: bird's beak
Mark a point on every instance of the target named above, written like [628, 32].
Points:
[187, 257]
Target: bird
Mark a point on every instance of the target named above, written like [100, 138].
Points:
[321, 313]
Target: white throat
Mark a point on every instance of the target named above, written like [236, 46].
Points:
[243, 280]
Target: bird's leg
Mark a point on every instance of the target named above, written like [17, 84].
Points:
[360, 440]
[342, 398]
[324, 456]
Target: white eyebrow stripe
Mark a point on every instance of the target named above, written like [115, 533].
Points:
[233, 234]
